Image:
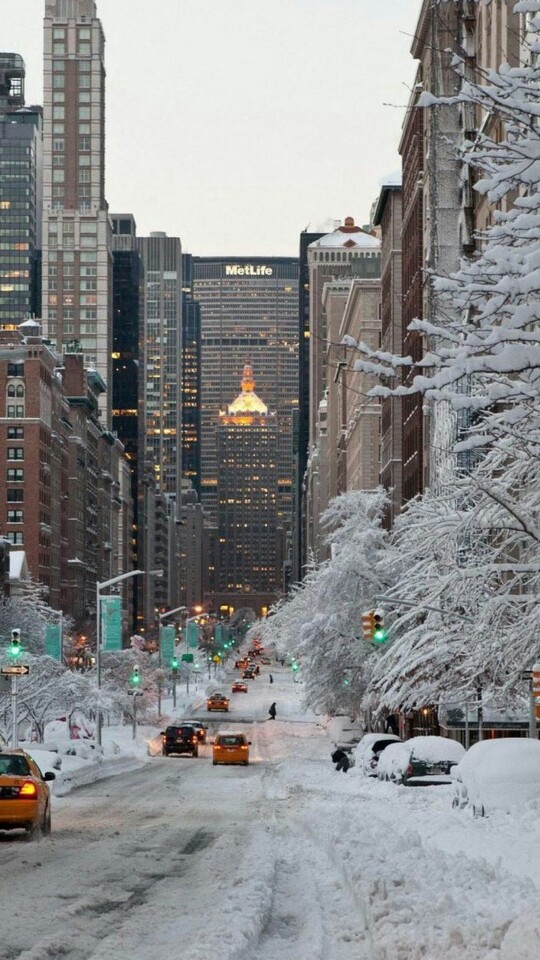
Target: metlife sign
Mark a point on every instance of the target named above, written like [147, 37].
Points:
[248, 270]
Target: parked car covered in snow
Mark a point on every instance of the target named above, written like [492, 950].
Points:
[370, 748]
[421, 761]
[499, 774]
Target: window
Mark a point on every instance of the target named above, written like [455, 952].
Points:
[84, 175]
[59, 81]
[58, 176]
[59, 96]
[58, 113]
[84, 144]
[85, 66]
[15, 390]
[59, 33]
[85, 81]
[15, 453]
[59, 49]
[85, 49]
[16, 538]
[15, 496]
[84, 161]
[84, 128]
[15, 516]
[15, 475]
[84, 113]
[58, 128]
[59, 145]
[15, 433]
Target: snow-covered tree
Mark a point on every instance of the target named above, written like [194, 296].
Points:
[321, 621]
[472, 550]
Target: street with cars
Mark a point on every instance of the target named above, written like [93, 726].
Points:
[249, 844]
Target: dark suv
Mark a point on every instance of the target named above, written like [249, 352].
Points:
[180, 739]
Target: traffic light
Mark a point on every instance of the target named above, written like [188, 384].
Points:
[295, 665]
[15, 645]
[174, 663]
[135, 678]
[368, 625]
[379, 633]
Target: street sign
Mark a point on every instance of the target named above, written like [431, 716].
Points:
[135, 693]
[17, 670]
[187, 657]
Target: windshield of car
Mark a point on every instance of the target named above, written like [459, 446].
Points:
[231, 741]
[14, 766]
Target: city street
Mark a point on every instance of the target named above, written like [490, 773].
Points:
[284, 858]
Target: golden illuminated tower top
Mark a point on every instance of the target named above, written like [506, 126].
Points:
[248, 402]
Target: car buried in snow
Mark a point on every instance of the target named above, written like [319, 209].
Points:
[420, 761]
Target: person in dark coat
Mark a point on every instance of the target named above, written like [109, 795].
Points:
[341, 760]
[272, 711]
[391, 724]
[270, 677]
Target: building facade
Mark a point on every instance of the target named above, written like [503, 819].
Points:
[249, 311]
[77, 259]
[191, 379]
[389, 216]
[160, 425]
[21, 143]
[347, 253]
[248, 481]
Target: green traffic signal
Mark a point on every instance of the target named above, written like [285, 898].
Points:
[135, 678]
[15, 645]
[379, 636]
[295, 665]
[174, 663]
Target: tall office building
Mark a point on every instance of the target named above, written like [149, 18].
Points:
[20, 195]
[191, 379]
[247, 448]
[127, 319]
[249, 311]
[161, 361]
[77, 259]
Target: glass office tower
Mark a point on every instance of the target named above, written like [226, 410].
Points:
[249, 313]
[20, 194]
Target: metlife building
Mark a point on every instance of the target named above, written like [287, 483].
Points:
[249, 314]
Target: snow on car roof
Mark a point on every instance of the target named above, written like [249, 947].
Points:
[435, 748]
[504, 757]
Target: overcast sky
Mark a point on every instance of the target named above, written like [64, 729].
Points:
[235, 123]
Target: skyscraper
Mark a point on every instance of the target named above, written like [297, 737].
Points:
[247, 446]
[249, 311]
[191, 379]
[77, 260]
[20, 194]
[161, 361]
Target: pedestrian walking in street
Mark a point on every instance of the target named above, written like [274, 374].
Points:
[272, 711]
[341, 760]
[270, 677]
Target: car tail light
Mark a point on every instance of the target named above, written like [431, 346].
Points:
[244, 747]
[410, 770]
[194, 739]
[28, 790]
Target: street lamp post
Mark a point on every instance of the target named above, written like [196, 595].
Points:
[99, 587]
[163, 616]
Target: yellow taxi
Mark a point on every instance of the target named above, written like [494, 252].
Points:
[230, 748]
[218, 702]
[25, 799]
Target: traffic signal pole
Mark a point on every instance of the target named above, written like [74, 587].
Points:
[14, 712]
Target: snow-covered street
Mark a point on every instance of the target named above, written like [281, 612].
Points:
[283, 859]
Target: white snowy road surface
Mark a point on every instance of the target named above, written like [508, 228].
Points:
[283, 860]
